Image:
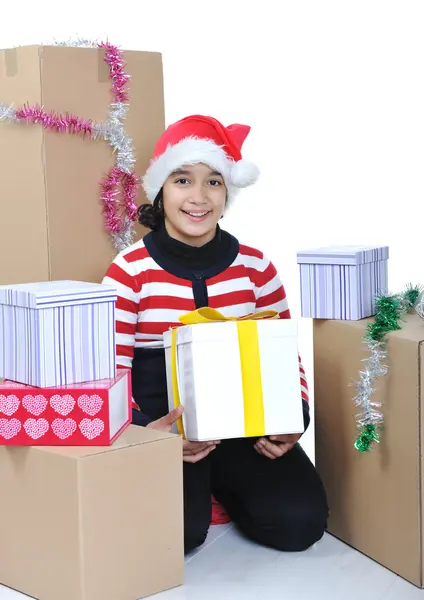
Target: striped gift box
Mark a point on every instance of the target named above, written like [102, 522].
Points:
[57, 333]
[342, 282]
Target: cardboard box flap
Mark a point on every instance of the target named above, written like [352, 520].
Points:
[343, 255]
[132, 436]
[412, 329]
[49, 294]
[220, 331]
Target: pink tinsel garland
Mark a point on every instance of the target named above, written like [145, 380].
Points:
[114, 58]
[111, 185]
[56, 122]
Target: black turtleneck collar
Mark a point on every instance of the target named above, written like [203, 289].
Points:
[190, 262]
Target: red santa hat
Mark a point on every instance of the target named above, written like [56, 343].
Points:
[198, 139]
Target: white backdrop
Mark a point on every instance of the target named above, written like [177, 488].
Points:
[333, 90]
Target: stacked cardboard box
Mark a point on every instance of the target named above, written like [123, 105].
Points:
[50, 181]
[76, 467]
[57, 359]
[82, 489]
[376, 501]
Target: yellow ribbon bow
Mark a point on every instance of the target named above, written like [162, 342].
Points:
[254, 417]
[210, 315]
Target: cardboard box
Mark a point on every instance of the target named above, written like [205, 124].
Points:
[342, 282]
[93, 523]
[376, 499]
[50, 198]
[57, 333]
[235, 379]
[91, 414]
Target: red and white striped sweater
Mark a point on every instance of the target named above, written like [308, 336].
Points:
[150, 299]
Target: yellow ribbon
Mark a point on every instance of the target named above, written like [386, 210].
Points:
[254, 417]
[175, 388]
[210, 315]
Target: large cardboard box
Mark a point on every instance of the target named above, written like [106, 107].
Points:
[93, 523]
[376, 499]
[235, 379]
[52, 215]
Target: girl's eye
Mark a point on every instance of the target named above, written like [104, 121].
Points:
[182, 181]
[215, 182]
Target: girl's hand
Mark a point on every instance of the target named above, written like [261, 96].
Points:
[192, 451]
[276, 446]
[165, 423]
[195, 451]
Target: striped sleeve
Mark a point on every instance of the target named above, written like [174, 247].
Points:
[120, 275]
[271, 295]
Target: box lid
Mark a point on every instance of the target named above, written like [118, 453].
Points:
[221, 331]
[98, 384]
[50, 294]
[343, 255]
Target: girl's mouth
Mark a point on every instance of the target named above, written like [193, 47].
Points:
[197, 215]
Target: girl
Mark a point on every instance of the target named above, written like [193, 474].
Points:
[269, 487]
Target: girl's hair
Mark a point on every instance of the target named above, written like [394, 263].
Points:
[152, 215]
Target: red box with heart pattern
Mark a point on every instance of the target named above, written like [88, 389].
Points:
[89, 414]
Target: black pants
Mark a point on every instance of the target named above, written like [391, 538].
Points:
[277, 503]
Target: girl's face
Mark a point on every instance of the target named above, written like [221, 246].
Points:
[193, 202]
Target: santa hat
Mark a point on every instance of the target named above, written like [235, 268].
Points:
[198, 139]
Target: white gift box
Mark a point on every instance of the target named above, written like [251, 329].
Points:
[235, 379]
[57, 333]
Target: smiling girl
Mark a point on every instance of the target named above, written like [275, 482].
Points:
[269, 487]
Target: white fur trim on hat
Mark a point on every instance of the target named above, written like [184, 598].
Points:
[191, 151]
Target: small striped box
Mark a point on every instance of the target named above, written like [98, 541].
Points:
[342, 282]
[57, 333]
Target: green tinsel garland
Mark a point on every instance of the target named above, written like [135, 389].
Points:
[389, 312]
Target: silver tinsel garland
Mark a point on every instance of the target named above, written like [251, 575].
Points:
[390, 310]
[374, 367]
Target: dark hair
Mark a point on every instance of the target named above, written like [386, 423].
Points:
[152, 215]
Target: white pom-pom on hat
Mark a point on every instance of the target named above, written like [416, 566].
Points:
[243, 173]
[199, 139]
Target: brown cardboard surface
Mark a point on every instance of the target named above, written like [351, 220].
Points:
[375, 499]
[23, 240]
[50, 198]
[93, 525]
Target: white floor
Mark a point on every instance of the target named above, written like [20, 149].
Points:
[228, 567]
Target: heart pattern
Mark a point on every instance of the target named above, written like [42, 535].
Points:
[64, 428]
[34, 404]
[9, 428]
[91, 428]
[9, 404]
[90, 404]
[62, 404]
[36, 428]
